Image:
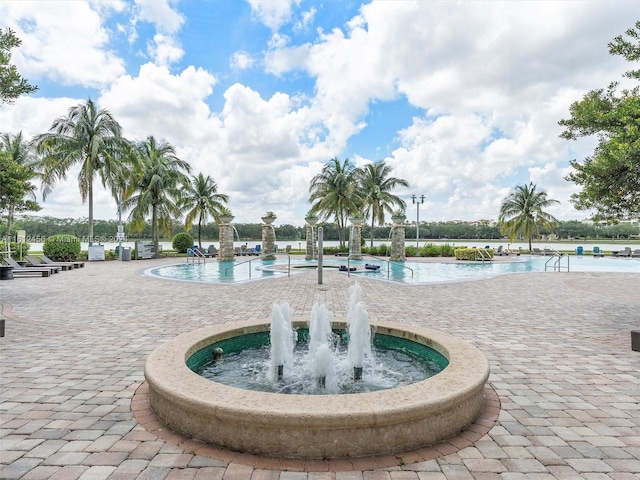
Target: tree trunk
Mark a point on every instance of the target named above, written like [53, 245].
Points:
[154, 230]
[90, 213]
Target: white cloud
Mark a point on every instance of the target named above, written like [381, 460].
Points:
[160, 13]
[66, 42]
[241, 60]
[272, 13]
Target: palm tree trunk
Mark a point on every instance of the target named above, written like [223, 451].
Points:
[154, 229]
[372, 222]
[90, 213]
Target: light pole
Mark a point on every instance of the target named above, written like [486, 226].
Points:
[417, 201]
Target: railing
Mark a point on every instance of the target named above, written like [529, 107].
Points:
[482, 254]
[388, 262]
[196, 254]
[556, 261]
[237, 264]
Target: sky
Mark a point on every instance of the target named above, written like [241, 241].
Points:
[460, 98]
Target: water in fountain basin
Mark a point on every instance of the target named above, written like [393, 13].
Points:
[324, 365]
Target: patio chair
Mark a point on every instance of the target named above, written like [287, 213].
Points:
[212, 251]
[623, 253]
[636, 253]
[37, 271]
[35, 262]
[48, 261]
[597, 252]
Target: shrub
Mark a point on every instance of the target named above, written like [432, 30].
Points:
[430, 250]
[62, 247]
[411, 251]
[181, 242]
[447, 250]
[18, 250]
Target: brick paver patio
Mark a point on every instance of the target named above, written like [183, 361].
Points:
[72, 359]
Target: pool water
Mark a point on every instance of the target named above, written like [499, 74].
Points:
[409, 273]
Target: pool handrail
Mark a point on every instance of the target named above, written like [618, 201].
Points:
[389, 262]
[557, 264]
[236, 264]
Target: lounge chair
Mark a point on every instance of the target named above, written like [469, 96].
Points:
[536, 251]
[500, 252]
[35, 262]
[636, 253]
[287, 249]
[212, 251]
[547, 251]
[623, 253]
[48, 261]
[24, 271]
[239, 252]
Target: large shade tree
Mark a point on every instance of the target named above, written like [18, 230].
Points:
[522, 213]
[610, 177]
[200, 200]
[376, 186]
[87, 137]
[334, 193]
[156, 187]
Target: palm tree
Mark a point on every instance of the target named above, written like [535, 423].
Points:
[202, 198]
[21, 154]
[521, 212]
[376, 186]
[157, 185]
[86, 136]
[334, 191]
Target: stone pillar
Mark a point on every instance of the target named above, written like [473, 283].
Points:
[268, 242]
[312, 250]
[227, 253]
[355, 237]
[397, 240]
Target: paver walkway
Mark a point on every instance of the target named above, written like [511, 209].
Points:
[559, 346]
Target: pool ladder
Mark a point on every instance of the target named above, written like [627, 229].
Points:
[196, 255]
[555, 262]
[482, 254]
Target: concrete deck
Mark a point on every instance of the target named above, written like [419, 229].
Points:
[72, 392]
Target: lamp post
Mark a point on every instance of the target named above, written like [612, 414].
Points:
[417, 201]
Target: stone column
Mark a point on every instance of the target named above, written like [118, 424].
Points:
[227, 252]
[355, 237]
[397, 240]
[268, 251]
[312, 250]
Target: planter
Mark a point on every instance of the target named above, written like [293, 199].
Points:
[398, 219]
[356, 221]
[268, 220]
[6, 272]
[311, 220]
[226, 219]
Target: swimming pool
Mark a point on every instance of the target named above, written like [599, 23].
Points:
[408, 273]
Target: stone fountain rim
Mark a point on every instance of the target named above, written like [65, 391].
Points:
[169, 377]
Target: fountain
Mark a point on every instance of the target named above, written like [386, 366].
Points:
[316, 426]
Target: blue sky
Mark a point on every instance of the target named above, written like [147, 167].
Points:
[462, 99]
